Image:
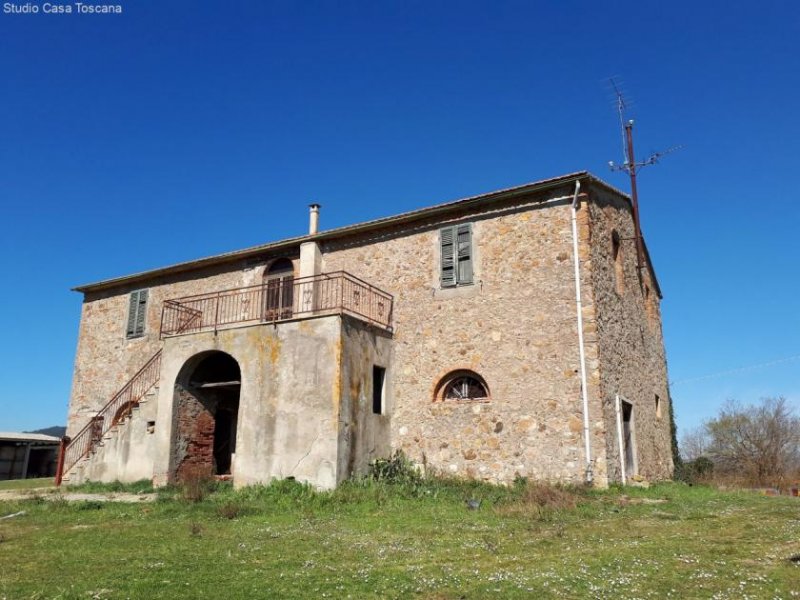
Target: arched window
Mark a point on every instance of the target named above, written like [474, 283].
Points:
[462, 385]
[619, 267]
[279, 290]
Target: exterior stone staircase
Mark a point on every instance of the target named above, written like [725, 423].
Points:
[130, 410]
[106, 455]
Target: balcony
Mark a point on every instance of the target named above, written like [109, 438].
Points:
[278, 300]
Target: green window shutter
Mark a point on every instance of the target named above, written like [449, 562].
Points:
[464, 253]
[137, 313]
[141, 313]
[447, 245]
[133, 305]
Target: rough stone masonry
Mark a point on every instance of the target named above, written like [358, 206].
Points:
[309, 403]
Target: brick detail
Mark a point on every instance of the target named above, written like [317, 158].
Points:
[194, 444]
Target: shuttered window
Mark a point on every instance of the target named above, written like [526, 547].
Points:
[456, 255]
[137, 314]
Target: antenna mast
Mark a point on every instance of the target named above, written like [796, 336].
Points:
[631, 167]
[631, 163]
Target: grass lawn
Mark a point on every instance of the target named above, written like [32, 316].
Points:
[26, 484]
[412, 540]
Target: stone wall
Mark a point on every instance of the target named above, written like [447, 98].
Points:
[630, 342]
[515, 326]
[105, 360]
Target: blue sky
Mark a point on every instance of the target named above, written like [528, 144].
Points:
[181, 129]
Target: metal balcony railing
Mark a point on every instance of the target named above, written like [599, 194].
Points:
[278, 300]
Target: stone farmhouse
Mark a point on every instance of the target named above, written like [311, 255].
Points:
[514, 333]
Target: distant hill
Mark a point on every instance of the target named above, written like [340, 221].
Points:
[56, 431]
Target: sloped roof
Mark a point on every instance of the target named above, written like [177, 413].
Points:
[414, 215]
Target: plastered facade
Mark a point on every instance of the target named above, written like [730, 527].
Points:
[307, 411]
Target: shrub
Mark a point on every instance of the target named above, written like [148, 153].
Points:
[196, 483]
[551, 497]
[539, 500]
[699, 470]
[230, 510]
[395, 469]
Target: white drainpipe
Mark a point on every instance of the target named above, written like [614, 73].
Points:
[579, 305]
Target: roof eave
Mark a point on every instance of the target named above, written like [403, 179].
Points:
[463, 203]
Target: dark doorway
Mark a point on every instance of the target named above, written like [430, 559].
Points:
[224, 438]
[628, 438]
[207, 405]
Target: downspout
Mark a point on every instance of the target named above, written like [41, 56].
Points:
[581, 350]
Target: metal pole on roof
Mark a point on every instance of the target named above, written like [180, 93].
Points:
[634, 197]
[631, 166]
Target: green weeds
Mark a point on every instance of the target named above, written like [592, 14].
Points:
[397, 535]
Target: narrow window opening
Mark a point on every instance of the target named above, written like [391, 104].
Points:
[650, 306]
[378, 381]
[619, 267]
[658, 407]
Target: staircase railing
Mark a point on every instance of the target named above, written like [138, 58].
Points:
[116, 410]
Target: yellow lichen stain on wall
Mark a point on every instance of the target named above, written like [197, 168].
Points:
[355, 384]
[272, 345]
[337, 377]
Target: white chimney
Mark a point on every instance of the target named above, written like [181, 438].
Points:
[313, 219]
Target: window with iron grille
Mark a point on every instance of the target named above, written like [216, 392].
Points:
[137, 314]
[462, 385]
[455, 242]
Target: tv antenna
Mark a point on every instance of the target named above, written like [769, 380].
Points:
[632, 167]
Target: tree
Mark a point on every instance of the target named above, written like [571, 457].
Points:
[694, 444]
[760, 442]
[677, 461]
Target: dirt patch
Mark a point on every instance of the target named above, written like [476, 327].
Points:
[11, 496]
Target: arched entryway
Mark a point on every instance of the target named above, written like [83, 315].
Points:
[207, 409]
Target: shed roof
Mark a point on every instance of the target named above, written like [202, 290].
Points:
[10, 436]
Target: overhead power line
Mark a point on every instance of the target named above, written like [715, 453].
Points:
[739, 369]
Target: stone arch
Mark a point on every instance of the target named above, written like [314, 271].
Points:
[462, 384]
[206, 404]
